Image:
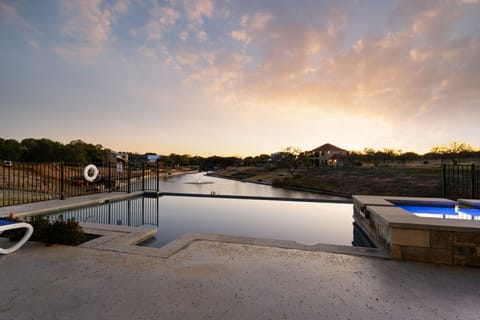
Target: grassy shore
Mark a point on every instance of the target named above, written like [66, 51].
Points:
[396, 180]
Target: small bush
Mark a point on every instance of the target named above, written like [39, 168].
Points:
[41, 227]
[67, 232]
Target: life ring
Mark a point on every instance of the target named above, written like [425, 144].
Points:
[86, 173]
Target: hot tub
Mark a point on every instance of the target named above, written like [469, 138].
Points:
[411, 229]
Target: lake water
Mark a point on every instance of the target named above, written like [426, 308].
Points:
[202, 184]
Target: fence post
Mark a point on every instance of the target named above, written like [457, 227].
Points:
[473, 181]
[62, 181]
[109, 183]
[444, 176]
[158, 176]
[128, 178]
[143, 176]
[4, 187]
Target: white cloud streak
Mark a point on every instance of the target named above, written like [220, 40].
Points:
[87, 27]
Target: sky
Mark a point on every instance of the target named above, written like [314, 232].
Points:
[241, 77]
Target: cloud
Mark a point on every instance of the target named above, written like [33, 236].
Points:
[148, 53]
[251, 26]
[258, 21]
[202, 36]
[34, 44]
[160, 19]
[9, 13]
[183, 35]
[87, 27]
[426, 63]
[241, 35]
[320, 56]
[197, 9]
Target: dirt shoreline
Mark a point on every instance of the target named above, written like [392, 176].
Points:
[345, 181]
[323, 192]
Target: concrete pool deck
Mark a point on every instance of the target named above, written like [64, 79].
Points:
[108, 278]
[213, 280]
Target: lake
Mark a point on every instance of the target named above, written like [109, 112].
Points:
[200, 183]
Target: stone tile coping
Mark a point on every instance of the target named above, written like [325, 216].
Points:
[382, 208]
[363, 201]
[124, 239]
[470, 202]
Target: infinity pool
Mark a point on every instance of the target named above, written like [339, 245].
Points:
[305, 222]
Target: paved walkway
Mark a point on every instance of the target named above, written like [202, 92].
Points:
[212, 280]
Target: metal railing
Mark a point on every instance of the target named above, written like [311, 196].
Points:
[30, 182]
[461, 181]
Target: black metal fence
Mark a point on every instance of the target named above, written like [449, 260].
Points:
[29, 182]
[461, 181]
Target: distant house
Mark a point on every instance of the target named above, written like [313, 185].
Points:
[148, 158]
[327, 155]
[121, 156]
[152, 158]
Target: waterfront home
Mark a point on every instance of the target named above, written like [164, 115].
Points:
[327, 155]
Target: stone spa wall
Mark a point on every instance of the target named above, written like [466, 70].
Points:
[413, 238]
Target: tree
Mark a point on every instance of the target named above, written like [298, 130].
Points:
[408, 156]
[452, 151]
[10, 149]
[290, 158]
[371, 155]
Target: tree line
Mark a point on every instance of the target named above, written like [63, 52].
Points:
[78, 151]
[46, 150]
[453, 152]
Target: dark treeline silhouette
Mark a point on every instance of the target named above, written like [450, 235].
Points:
[46, 150]
[204, 164]
[454, 153]
[78, 151]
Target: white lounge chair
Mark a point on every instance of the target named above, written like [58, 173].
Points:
[9, 225]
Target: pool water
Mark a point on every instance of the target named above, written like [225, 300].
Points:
[305, 222]
[443, 212]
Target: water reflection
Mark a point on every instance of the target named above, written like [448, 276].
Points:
[305, 222]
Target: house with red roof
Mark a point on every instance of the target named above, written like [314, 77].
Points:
[327, 155]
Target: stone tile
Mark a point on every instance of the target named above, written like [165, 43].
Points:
[441, 239]
[467, 238]
[466, 251]
[432, 255]
[413, 238]
[396, 252]
[466, 261]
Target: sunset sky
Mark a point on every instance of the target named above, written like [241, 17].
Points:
[241, 77]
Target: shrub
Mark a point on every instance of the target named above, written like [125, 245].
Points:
[67, 232]
[41, 227]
